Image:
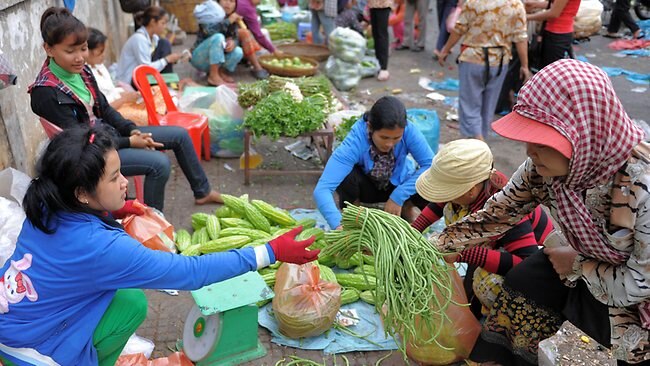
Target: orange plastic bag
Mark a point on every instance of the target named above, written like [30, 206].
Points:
[138, 359]
[459, 332]
[150, 229]
[304, 305]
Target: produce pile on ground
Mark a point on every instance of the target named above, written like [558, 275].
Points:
[286, 106]
[282, 30]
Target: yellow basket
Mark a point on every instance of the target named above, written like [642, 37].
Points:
[286, 71]
[184, 11]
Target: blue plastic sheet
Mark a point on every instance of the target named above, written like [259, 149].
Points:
[335, 341]
[447, 84]
[638, 53]
[427, 121]
[645, 26]
[632, 76]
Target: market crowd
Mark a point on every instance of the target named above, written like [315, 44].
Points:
[566, 237]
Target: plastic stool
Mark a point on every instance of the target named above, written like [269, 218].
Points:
[303, 29]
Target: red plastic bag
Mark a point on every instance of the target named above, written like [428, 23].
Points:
[459, 332]
[138, 359]
[304, 305]
[150, 229]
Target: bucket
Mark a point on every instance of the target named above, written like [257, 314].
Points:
[428, 123]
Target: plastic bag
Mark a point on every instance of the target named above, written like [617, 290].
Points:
[347, 45]
[428, 123]
[138, 359]
[460, 331]
[138, 345]
[588, 19]
[304, 305]
[369, 66]
[344, 75]
[150, 229]
[225, 117]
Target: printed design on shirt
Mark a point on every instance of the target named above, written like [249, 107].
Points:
[16, 285]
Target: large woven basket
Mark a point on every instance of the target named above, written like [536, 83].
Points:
[290, 72]
[184, 11]
[302, 49]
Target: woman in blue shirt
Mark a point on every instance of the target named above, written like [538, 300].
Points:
[371, 164]
[70, 291]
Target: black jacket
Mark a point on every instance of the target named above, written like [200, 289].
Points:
[61, 109]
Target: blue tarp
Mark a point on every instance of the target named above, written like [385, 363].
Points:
[447, 84]
[634, 77]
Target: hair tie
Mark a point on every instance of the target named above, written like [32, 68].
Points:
[92, 138]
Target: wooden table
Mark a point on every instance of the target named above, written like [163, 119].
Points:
[325, 135]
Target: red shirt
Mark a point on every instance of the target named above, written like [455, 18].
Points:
[564, 23]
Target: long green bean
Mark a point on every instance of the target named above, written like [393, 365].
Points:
[413, 280]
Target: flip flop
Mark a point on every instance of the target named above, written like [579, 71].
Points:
[612, 35]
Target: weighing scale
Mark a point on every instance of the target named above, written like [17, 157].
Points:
[221, 328]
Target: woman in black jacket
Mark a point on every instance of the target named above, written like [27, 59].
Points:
[65, 93]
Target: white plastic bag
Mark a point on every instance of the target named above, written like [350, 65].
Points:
[13, 185]
[137, 344]
[588, 19]
[344, 75]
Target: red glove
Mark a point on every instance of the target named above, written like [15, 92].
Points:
[131, 207]
[287, 249]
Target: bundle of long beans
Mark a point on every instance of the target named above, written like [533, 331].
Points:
[413, 280]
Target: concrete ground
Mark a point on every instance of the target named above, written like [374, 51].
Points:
[167, 313]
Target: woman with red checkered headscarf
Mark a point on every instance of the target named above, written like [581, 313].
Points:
[588, 164]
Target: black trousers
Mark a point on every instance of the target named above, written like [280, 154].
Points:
[621, 14]
[163, 49]
[379, 23]
[357, 186]
[555, 46]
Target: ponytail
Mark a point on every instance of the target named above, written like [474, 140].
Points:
[73, 161]
[58, 23]
[143, 18]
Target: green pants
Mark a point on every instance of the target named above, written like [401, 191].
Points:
[123, 316]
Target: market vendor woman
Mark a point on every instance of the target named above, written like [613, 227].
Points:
[70, 291]
[370, 165]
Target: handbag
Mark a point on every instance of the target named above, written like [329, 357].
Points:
[535, 48]
[134, 6]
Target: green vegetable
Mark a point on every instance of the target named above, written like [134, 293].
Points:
[280, 115]
[344, 127]
[412, 278]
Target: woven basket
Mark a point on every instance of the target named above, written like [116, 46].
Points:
[290, 72]
[184, 11]
[302, 49]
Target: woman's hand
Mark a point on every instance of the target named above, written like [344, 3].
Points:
[230, 45]
[139, 140]
[562, 259]
[130, 96]
[452, 257]
[442, 56]
[524, 74]
[173, 58]
[234, 18]
[393, 208]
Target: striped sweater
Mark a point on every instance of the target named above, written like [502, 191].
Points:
[503, 252]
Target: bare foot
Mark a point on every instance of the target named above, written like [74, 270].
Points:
[212, 197]
[383, 75]
[225, 76]
[216, 80]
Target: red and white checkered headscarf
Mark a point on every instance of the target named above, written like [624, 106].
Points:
[578, 100]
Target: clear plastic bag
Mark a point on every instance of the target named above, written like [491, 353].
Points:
[304, 305]
[344, 75]
[150, 229]
[459, 333]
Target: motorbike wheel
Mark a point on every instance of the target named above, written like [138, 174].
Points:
[608, 6]
[642, 9]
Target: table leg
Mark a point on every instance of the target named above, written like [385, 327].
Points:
[247, 145]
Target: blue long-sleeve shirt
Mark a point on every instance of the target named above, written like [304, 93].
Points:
[69, 278]
[355, 150]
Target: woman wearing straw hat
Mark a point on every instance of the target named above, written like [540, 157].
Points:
[461, 178]
[588, 163]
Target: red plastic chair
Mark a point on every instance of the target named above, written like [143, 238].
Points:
[52, 130]
[195, 124]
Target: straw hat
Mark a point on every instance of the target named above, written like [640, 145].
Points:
[458, 166]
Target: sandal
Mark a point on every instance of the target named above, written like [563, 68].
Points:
[383, 75]
[612, 35]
